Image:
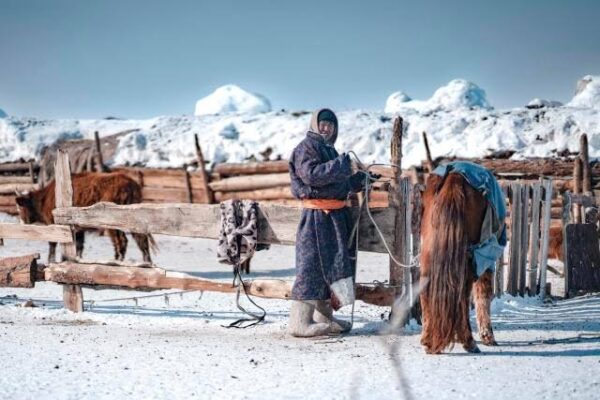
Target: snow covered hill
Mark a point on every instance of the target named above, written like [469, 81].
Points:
[236, 126]
[2, 113]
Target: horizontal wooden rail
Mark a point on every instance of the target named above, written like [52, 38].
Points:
[47, 233]
[277, 224]
[24, 272]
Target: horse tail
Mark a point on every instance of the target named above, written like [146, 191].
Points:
[449, 276]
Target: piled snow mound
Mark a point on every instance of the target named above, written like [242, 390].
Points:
[395, 100]
[232, 99]
[2, 113]
[457, 94]
[587, 93]
[541, 103]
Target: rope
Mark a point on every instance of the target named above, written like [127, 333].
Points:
[253, 317]
[365, 171]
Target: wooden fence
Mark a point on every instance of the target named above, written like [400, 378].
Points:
[277, 224]
[399, 223]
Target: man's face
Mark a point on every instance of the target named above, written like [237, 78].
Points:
[326, 128]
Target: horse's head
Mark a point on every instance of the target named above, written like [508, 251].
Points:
[26, 208]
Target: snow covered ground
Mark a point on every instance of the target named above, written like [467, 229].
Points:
[181, 350]
[234, 125]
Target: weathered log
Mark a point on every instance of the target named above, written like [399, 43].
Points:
[534, 241]
[429, 164]
[512, 285]
[577, 183]
[11, 210]
[14, 180]
[7, 200]
[545, 234]
[143, 278]
[534, 166]
[585, 160]
[11, 188]
[276, 224]
[252, 182]
[399, 203]
[280, 192]
[18, 271]
[169, 195]
[99, 159]
[17, 167]
[251, 168]
[46, 233]
[208, 197]
[72, 294]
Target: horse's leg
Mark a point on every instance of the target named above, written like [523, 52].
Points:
[119, 241]
[51, 252]
[483, 295]
[142, 242]
[79, 240]
[426, 333]
[465, 335]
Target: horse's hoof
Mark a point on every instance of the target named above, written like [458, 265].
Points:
[429, 351]
[487, 338]
[472, 348]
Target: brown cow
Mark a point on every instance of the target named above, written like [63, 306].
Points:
[88, 188]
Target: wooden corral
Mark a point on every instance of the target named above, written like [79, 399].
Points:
[180, 202]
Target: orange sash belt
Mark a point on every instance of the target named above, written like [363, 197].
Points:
[326, 205]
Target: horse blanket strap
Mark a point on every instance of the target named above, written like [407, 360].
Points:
[238, 237]
[326, 205]
[493, 230]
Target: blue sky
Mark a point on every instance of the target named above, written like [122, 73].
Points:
[138, 59]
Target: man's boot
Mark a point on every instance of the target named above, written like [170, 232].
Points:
[324, 313]
[301, 323]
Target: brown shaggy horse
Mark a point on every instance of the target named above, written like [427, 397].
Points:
[453, 213]
[88, 188]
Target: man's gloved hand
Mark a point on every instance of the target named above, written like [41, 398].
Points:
[374, 177]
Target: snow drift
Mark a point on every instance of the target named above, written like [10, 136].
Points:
[587, 93]
[458, 119]
[232, 99]
[457, 94]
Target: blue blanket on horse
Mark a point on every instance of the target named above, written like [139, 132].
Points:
[493, 231]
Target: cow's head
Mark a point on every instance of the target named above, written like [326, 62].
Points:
[26, 207]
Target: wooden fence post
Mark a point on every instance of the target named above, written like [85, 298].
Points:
[577, 180]
[546, 215]
[72, 294]
[31, 172]
[210, 196]
[417, 213]
[534, 243]
[399, 200]
[188, 185]
[429, 161]
[99, 159]
[524, 239]
[515, 238]
[499, 277]
[585, 160]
